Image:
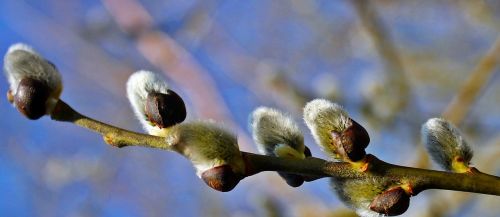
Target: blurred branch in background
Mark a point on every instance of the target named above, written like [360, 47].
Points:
[479, 11]
[259, 76]
[270, 206]
[477, 81]
[394, 94]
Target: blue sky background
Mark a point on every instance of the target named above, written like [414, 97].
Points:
[273, 53]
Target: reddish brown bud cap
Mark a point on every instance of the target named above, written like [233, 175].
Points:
[391, 202]
[165, 110]
[356, 140]
[31, 98]
[221, 178]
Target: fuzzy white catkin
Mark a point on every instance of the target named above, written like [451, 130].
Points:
[444, 142]
[322, 117]
[139, 85]
[22, 61]
[207, 145]
[271, 130]
[358, 194]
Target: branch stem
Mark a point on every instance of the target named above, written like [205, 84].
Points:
[112, 135]
[419, 179]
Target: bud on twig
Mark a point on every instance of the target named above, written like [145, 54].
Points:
[334, 131]
[31, 97]
[394, 201]
[276, 134]
[35, 83]
[446, 145]
[358, 194]
[165, 110]
[155, 105]
[221, 178]
[213, 151]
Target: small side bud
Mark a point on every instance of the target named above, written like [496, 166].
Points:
[335, 131]
[221, 178]
[276, 134]
[358, 194]
[10, 97]
[156, 106]
[35, 83]
[392, 202]
[353, 141]
[446, 145]
[165, 110]
[30, 98]
[213, 151]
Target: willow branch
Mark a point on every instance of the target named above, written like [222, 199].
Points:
[476, 82]
[381, 39]
[112, 135]
[419, 179]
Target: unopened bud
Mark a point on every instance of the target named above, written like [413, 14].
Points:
[276, 134]
[352, 142]
[165, 110]
[213, 151]
[31, 97]
[392, 202]
[221, 178]
[446, 145]
[35, 83]
[335, 131]
[156, 106]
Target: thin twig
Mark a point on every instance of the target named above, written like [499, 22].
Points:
[112, 135]
[387, 50]
[381, 39]
[478, 79]
[419, 179]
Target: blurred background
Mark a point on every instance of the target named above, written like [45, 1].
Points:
[391, 64]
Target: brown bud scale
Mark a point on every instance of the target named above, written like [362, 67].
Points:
[392, 202]
[352, 142]
[221, 178]
[165, 110]
[31, 98]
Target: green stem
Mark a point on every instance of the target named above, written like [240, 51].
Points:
[419, 179]
[423, 179]
[112, 135]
